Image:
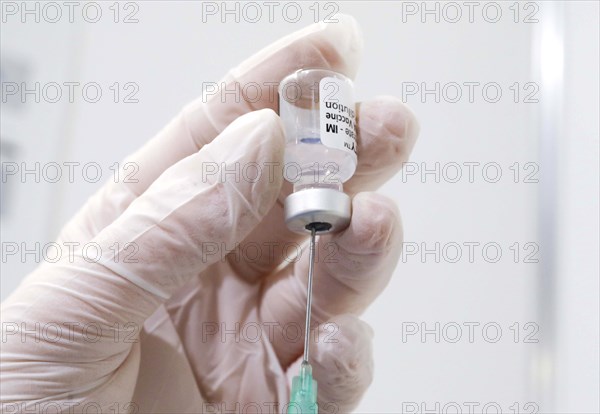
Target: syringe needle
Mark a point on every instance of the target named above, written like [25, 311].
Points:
[304, 388]
[311, 269]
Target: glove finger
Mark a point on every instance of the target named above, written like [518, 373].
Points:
[342, 362]
[334, 46]
[152, 249]
[351, 269]
[386, 134]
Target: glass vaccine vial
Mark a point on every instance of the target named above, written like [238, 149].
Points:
[318, 113]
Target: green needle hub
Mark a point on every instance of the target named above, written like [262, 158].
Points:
[304, 392]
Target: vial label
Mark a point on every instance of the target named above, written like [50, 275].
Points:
[337, 114]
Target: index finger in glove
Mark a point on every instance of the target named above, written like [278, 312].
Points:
[335, 46]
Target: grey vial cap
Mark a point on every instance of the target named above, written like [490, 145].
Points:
[325, 209]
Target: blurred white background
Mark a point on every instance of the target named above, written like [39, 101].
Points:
[543, 59]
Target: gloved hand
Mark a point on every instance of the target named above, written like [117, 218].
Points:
[156, 333]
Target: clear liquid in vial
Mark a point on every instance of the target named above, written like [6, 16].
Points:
[311, 164]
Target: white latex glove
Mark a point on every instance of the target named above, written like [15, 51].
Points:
[156, 349]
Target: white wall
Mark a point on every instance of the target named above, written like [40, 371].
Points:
[170, 52]
[577, 307]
